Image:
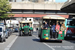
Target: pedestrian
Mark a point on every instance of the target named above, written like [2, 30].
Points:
[53, 31]
[57, 29]
[63, 28]
[45, 26]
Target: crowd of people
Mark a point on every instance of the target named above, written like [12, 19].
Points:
[54, 29]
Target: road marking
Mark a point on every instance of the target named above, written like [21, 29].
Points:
[49, 46]
[35, 36]
[8, 47]
[45, 44]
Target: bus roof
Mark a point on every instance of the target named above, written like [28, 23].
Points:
[53, 17]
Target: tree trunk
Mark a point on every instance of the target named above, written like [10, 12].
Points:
[4, 24]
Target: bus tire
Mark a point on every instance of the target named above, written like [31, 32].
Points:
[4, 40]
[41, 40]
[1, 40]
[20, 33]
[66, 38]
[30, 34]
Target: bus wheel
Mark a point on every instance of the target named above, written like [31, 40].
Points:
[41, 40]
[20, 33]
[60, 41]
[1, 40]
[30, 34]
[4, 40]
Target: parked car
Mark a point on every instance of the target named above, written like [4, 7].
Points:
[2, 34]
[6, 33]
[16, 29]
[9, 31]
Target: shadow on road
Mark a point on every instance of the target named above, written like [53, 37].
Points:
[47, 41]
[37, 40]
[24, 36]
[72, 41]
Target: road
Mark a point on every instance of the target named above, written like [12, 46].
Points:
[33, 43]
[8, 41]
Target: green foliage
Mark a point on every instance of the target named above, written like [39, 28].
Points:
[4, 16]
[4, 8]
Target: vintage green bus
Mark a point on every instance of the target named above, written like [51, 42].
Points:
[44, 34]
[25, 28]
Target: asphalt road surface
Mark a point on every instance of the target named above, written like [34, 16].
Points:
[33, 43]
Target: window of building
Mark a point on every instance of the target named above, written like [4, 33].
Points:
[25, 0]
[27, 11]
[10, 0]
[34, 0]
[16, 11]
[22, 0]
[15, 0]
[60, 12]
[39, 11]
[46, 0]
[50, 11]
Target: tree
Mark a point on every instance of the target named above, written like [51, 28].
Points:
[4, 8]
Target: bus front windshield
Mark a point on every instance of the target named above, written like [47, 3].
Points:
[70, 22]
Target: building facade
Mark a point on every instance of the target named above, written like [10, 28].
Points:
[38, 7]
[32, 0]
[35, 9]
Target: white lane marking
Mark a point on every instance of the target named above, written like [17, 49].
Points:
[35, 36]
[49, 46]
[8, 47]
[45, 44]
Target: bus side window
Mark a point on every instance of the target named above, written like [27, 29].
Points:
[68, 23]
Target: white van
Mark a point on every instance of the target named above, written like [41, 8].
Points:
[12, 22]
[2, 34]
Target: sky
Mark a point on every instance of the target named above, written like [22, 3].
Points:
[61, 0]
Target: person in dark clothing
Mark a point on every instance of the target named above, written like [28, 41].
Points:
[53, 31]
[45, 26]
